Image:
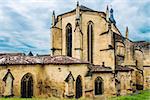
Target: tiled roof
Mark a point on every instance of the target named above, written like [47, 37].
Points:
[118, 37]
[25, 60]
[100, 68]
[141, 45]
[13, 54]
[82, 8]
[63, 60]
[123, 68]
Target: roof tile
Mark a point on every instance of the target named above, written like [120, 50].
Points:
[9, 59]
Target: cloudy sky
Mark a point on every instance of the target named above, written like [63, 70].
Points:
[25, 24]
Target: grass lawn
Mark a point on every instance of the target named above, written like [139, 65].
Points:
[143, 95]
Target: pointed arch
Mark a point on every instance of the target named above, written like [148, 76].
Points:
[69, 39]
[99, 86]
[78, 87]
[90, 41]
[8, 79]
[69, 89]
[27, 86]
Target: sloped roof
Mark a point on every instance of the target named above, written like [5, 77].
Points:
[119, 38]
[63, 60]
[142, 45]
[25, 60]
[82, 8]
[13, 54]
[30, 54]
[123, 68]
[100, 68]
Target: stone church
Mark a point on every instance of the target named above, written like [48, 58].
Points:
[90, 58]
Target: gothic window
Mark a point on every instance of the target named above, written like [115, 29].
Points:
[27, 86]
[8, 79]
[99, 87]
[90, 41]
[78, 87]
[69, 85]
[69, 39]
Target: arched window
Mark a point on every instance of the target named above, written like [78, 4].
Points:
[99, 87]
[69, 39]
[27, 86]
[78, 87]
[90, 41]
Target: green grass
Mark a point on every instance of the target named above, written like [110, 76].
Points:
[143, 95]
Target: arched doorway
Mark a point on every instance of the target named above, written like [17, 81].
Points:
[27, 86]
[98, 86]
[78, 87]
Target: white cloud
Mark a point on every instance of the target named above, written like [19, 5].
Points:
[25, 22]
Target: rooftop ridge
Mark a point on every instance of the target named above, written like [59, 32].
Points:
[82, 8]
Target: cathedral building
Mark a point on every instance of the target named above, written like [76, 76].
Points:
[90, 58]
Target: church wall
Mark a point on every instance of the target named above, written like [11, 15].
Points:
[98, 28]
[58, 73]
[146, 77]
[109, 83]
[18, 71]
[115, 29]
[133, 81]
[139, 59]
[108, 58]
[48, 80]
[100, 42]
[129, 53]
[146, 58]
[125, 82]
[56, 41]
[65, 21]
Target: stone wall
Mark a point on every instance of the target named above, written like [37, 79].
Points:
[100, 42]
[48, 80]
[146, 77]
[109, 83]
